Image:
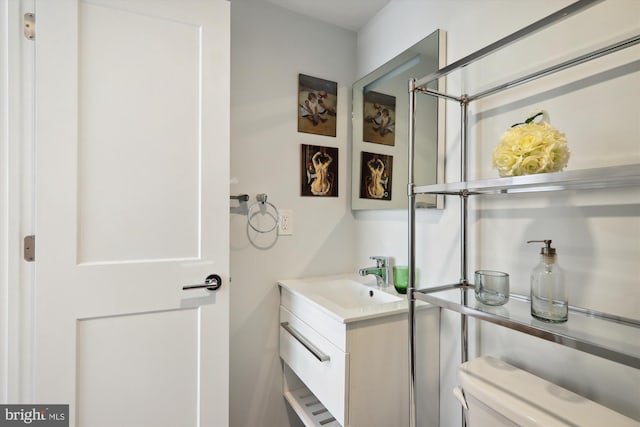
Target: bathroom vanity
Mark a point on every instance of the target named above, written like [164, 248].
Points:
[344, 345]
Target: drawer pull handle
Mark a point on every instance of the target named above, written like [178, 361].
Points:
[305, 342]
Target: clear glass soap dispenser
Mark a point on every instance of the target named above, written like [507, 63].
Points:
[549, 293]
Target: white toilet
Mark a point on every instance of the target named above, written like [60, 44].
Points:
[496, 394]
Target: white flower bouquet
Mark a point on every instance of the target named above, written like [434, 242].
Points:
[531, 147]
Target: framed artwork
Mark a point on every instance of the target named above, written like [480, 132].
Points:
[376, 173]
[379, 112]
[319, 171]
[317, 101]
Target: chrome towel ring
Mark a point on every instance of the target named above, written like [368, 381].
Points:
[262, 207]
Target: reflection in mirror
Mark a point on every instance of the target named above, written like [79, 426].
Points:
[381, 125]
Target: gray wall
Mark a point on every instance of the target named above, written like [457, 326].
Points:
[597, 233]
[269, 47]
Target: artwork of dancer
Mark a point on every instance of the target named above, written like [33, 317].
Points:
[379, 118]
[376, 172]
[319, 166]
[317, 99]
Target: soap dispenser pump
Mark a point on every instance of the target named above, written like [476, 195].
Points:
[549, 295]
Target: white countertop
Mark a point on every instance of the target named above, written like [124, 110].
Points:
[326, 293]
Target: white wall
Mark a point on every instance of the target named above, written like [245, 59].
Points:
[4, 201]
[16, 201]
[269, 48]
[597, 233]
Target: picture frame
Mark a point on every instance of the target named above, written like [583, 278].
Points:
[376, 175]
[319, 171]
[317, 105]
[379, 112]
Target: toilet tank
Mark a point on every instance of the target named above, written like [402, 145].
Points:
[496, 394]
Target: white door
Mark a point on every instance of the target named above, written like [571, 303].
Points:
[132, 203]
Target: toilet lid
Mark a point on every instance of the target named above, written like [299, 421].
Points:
[531, 401]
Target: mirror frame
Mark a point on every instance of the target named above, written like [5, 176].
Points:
[393, 68]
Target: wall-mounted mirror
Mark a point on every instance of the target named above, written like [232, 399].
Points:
[381, 130]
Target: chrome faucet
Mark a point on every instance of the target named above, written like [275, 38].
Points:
[381, 270]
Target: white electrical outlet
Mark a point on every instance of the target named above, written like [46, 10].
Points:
[285, 225]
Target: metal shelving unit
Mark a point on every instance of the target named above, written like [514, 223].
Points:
[600, 334]
[612, 337]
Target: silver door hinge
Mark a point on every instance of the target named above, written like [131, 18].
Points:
[30, 248]
[30, 26]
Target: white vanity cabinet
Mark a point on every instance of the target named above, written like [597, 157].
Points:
[354, 371]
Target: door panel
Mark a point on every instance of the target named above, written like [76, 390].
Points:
[130, 353]
[135, 120]
[132, 169]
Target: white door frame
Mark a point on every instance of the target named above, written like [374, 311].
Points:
[17, 197]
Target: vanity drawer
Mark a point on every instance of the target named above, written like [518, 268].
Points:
[316, 361]
[329, 327]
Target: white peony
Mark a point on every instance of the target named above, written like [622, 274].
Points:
[529, 148]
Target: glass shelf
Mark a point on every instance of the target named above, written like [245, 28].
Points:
[596, 178]
[611, 337]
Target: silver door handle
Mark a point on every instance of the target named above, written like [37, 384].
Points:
[211, 283]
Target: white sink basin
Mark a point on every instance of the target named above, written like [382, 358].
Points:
[350, 294]
[348, 297]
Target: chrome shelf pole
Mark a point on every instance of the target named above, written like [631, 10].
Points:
[464, 221]
[412, 258]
